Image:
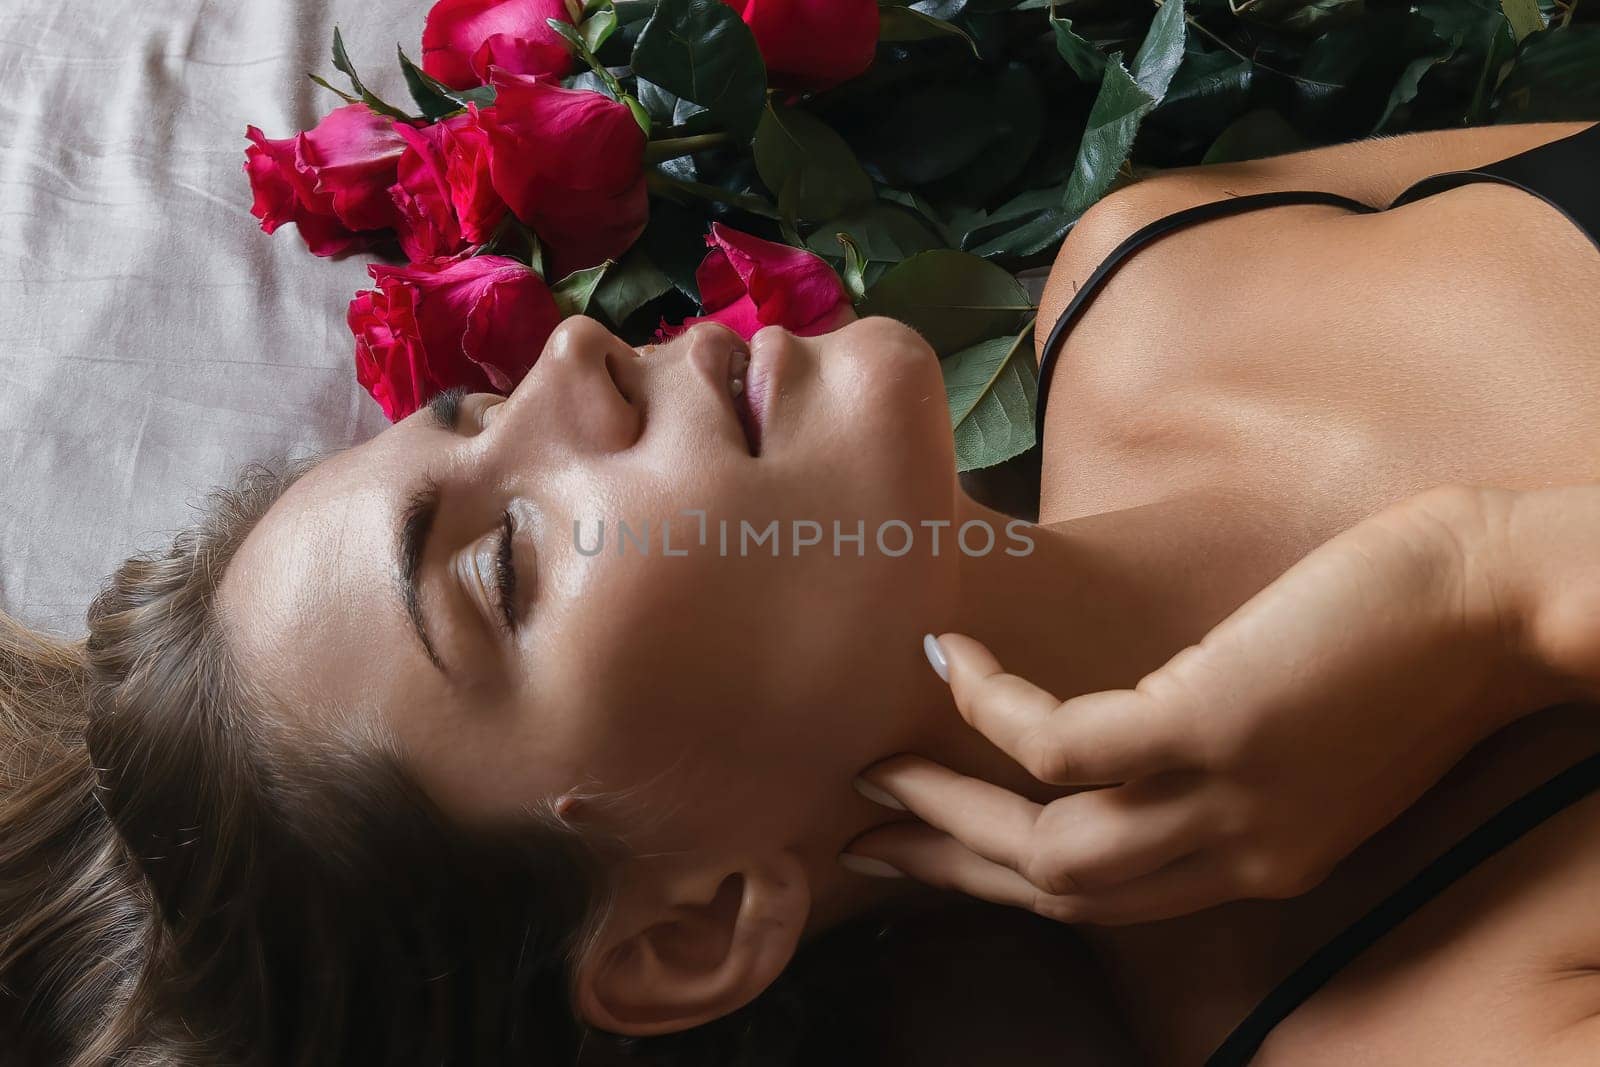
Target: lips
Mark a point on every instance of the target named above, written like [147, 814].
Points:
[741, 378]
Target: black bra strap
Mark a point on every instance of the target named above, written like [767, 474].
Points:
[1564, 174]
[1154, 231]
[1550, 799]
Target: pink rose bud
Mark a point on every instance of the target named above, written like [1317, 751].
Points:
[570, 163]
[464, 38]
[332, 181]
[444, 199]
[479, 322]
[812, 44]
[747, 283]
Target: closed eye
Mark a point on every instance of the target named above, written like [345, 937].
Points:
[505, 572]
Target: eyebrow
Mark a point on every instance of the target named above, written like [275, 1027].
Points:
[445, 408]
[416, 522]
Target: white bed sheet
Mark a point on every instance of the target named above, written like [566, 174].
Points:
[152, 339]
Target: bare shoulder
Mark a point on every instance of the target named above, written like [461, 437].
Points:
[1373, 171]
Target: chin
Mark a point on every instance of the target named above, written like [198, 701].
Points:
[904, 419]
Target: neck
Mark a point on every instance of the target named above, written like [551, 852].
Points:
[1099, 602]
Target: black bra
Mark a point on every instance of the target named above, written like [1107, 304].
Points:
[1566, 175]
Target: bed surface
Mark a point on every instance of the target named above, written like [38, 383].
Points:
[152, 339]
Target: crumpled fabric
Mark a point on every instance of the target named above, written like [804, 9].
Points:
[152, 339]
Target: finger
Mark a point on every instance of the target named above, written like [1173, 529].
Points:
[1088, 841]
[1100, 839]
[1187, 885]
[1191, 883]
[1112, 736]
[935, 858]
[995, 823]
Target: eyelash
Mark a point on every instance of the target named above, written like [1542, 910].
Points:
[506, 573]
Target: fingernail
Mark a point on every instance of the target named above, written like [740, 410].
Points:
[935, 654]
[867, 865]
[877, 795]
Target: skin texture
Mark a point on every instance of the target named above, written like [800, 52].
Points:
[1340, 365]
[1208, 429]
[674, 702]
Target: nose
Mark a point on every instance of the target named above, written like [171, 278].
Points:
[584, 391]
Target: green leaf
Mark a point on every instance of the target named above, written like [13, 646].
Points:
[1015, 117]
[341, 63]
[1125, 98]
[1300, 16]
[701, 50]
[908, 24]
[514, 240]
[1036, 220]
[598, 27]
[629, 286]
[807, 165]
[1524, 17]
[433, 98]
[991, 388]
[1086, 61]
[606, 82]
[1023, 225]
[855, 267]
[630, 12]
[881, 232]
[1409, 84]
[675, 241]
[573, 292]
[685, 117]
[1211, 89]
[1255, 135]
[954, 299]
[346, 97]
[572, 35]
[1161, 53]
[929, 133]
[1553, 78]
[640, 114]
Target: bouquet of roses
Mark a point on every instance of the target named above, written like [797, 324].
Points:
[658, 162]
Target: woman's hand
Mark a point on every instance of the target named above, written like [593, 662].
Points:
[1251, 763]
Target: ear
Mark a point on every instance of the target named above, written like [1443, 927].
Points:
[682, 948]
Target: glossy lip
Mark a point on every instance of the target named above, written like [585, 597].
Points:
[766, 351]
[715, 362]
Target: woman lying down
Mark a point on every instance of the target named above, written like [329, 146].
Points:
[582, 711]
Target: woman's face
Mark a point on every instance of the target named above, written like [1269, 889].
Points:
[430, 583]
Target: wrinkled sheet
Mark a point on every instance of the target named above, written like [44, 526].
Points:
[152, 339]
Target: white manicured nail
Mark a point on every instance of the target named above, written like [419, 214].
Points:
[877, 795]
[867, 865]
[935, 654]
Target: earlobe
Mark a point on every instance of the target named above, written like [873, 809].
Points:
[687, 947]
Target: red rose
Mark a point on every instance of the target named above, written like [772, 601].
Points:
[747, 283]
[571, 164]
[444, 198]
[478, 322]
[464, 38]
[812, 44]
[332, 181]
